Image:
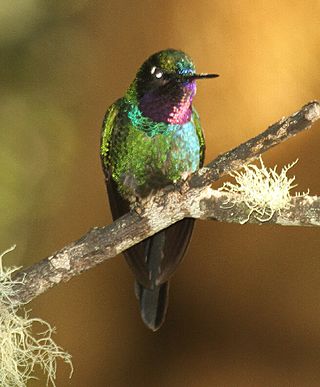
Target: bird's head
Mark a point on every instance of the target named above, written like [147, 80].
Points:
[165, 85]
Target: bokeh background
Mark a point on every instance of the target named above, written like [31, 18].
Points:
[245, 303]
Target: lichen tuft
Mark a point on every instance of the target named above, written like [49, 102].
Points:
[20, 350]
[264, 191]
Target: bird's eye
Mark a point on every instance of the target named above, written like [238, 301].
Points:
[159, 74]
[156, 72]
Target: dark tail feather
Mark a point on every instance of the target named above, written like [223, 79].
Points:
[154, 299]
[153, 260]
[153, 304]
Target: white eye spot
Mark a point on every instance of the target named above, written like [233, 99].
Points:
[153, 69]
[159, 74]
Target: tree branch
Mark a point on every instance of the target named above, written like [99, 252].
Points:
[194, 198]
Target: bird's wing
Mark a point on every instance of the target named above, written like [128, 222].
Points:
[106, 135]
[196, 121]
[119, 206]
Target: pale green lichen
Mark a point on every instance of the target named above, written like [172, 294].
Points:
[20, 350]
[264, 191]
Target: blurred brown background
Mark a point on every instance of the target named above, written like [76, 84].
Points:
[245, 303]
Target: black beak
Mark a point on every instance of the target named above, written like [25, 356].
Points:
[200, 76]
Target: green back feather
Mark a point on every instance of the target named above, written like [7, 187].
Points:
[107, 128]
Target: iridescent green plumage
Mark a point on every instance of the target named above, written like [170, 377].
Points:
[151, 157]
[152, 137]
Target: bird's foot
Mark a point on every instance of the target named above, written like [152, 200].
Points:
[183, 184]
[136, 206]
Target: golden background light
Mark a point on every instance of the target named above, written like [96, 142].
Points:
[245, 304]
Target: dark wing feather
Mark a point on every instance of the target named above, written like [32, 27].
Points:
[177, 238]
[135, 255]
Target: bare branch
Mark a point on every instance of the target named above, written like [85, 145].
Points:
[303, 211]
[246, 152]
[194, 198]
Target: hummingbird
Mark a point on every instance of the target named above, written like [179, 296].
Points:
[152, 138]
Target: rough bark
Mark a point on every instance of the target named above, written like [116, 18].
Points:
[193, 198]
